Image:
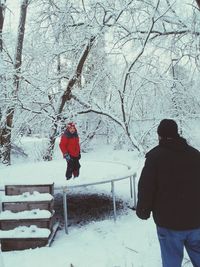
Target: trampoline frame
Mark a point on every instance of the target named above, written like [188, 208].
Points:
[132, 185]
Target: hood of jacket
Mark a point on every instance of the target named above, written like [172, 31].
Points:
[175, 144]
[70, 135]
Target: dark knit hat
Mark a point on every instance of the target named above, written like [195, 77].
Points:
[71, 125]
[168, 129]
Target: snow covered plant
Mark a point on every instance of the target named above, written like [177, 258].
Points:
[116, 67]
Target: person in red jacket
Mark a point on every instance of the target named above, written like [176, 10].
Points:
[70, 147]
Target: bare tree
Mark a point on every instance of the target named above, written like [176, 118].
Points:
[67, 95]
[7, 131]
[2, 11]
[138, 35]
[2, 14]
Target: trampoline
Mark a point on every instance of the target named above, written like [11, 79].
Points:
[132, 186]
[93, 173]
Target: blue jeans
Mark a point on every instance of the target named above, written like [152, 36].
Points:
[172, 245]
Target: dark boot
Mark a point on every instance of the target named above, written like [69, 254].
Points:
[76, 173]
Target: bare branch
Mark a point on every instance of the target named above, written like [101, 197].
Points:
[174, 12]
[142, 49]
[159, 33]
[102, 113]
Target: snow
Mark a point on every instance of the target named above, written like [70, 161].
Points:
[25, 232]
[54, 172]
[27, 214]
[128, 242]
[27, 197]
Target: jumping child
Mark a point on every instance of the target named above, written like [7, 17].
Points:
[70, 147]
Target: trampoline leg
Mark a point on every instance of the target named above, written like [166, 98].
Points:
[131, 186]
[134, 190]
[65, 211]
[114, 201]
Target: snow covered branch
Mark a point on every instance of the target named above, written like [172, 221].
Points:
[67, 94]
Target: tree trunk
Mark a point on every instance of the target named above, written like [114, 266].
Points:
[66, 97]
[2, 9]
[6, 133]
[198, 3]
[174, 91]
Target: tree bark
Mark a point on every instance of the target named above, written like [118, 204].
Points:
[2, 9]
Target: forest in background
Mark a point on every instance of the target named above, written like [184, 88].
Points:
[114, 67]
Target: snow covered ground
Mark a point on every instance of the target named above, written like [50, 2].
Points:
[128, 242]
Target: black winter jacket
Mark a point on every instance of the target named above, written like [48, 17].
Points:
[169, 185]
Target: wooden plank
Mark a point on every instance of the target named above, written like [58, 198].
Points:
[21, 206]
[20, 189]
[8, 244]
[41, 223]
[27, 197]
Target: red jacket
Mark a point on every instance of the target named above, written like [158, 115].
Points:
[70, 144]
